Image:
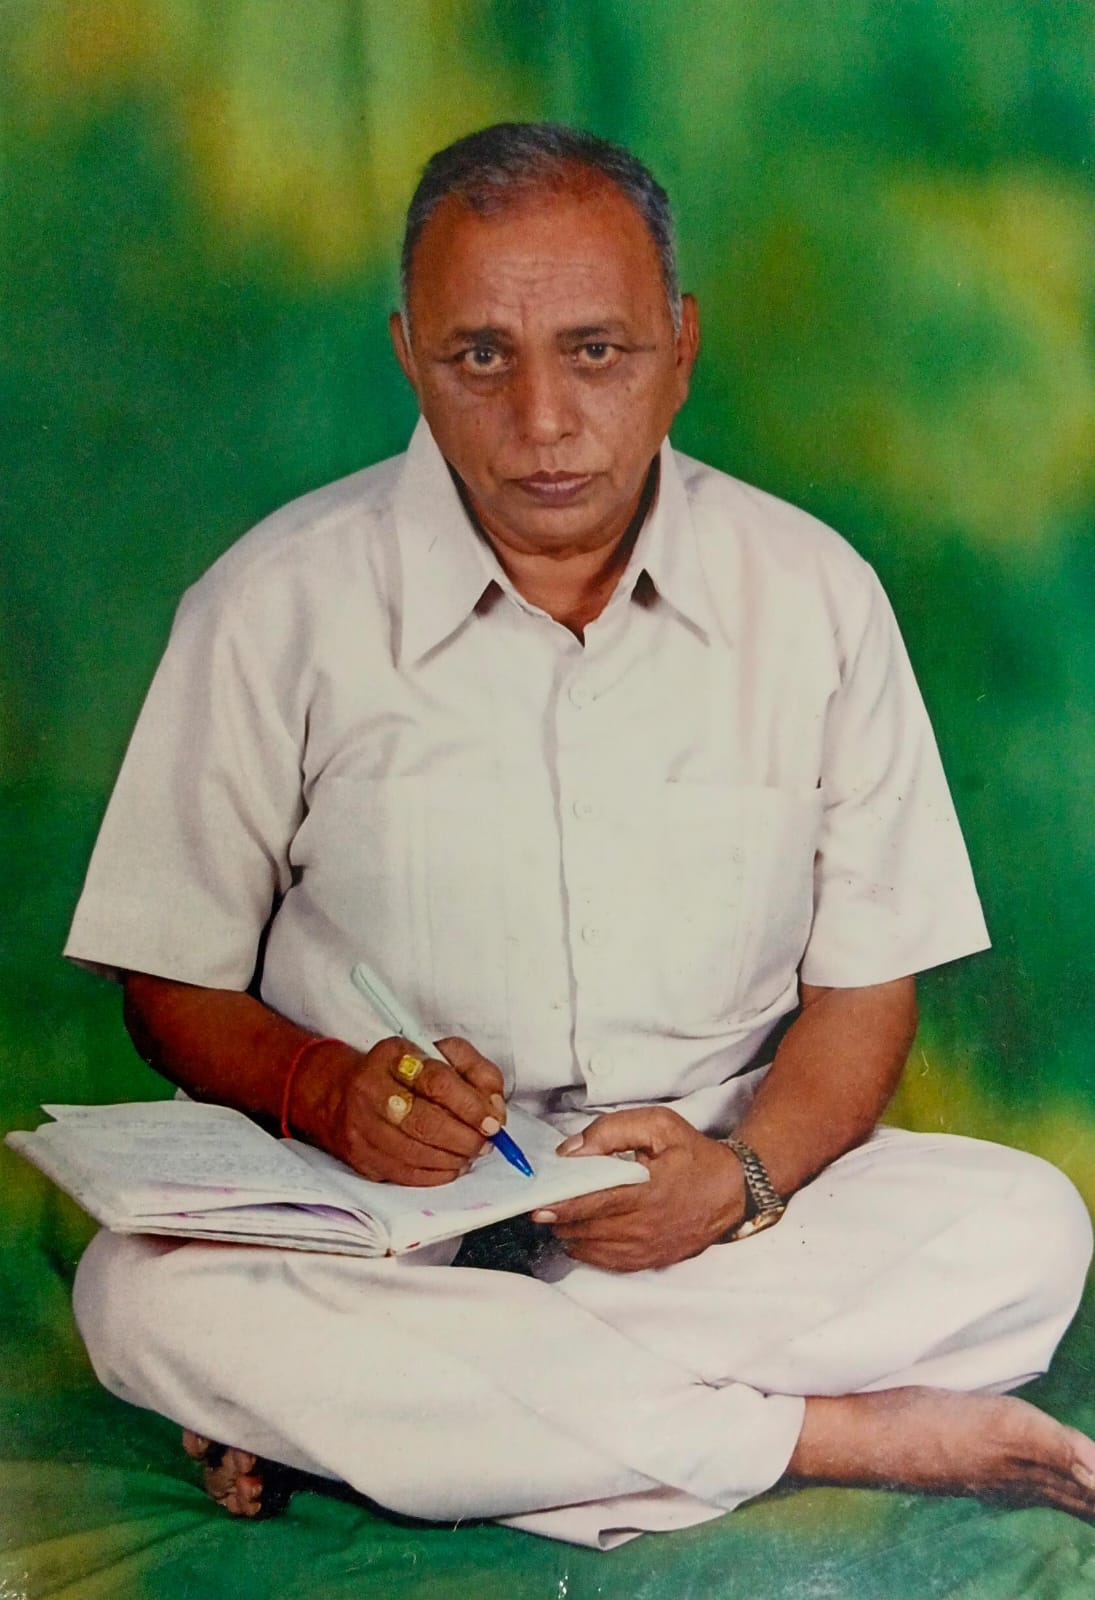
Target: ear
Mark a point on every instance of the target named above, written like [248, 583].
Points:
[402, 347]
[688, 343]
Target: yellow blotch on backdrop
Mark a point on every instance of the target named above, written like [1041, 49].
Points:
[1002, 443]
[922, 334]
[942, 1093]
[301, 128]
[80, 51]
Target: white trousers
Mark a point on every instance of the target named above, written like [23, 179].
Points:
[589, 1405]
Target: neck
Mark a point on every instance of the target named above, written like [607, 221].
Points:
[573, 587]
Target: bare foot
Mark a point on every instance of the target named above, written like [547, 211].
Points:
[992, 1446]
[236, 1479]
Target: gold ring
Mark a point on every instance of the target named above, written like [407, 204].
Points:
[398, 1107]
[408, 1068]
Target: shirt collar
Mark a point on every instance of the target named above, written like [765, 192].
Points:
[446, 566]
[667, 551]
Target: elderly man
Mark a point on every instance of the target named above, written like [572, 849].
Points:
[616, 769]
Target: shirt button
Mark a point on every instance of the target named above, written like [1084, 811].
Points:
[584, 808]
[580, 694]
[593, 933]
[601, 1064]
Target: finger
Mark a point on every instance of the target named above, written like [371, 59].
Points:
[392, 1119]
[431, 1125]
[443, 1086]
[474, 1067]
[608, 1257]
[621, 1230]
[650, 1129]
[607, 1203]
[425, 1178]
[398, 1107]
[384, 1166]
[387, 1171]
[408, 1067]
[396, 1144]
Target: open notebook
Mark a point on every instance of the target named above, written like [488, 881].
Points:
[206, 1172]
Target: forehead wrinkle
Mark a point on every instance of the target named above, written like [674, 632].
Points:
[571, 300]
[538, 279]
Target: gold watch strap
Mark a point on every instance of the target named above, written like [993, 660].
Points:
[765, 1206]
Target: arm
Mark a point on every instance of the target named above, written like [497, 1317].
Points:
[832, 1077]
[228, 1047]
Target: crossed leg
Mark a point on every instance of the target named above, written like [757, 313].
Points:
[914, 1273]
[930, 1440]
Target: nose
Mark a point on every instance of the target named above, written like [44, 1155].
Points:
[543, 404]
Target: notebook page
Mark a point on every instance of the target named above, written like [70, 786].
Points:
[158, 1156]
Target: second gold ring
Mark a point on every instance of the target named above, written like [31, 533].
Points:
[398, 1107]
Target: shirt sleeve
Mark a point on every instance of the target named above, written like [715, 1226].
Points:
[193, 849]
[893, 889]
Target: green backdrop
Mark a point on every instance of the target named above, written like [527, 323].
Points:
[886, 210]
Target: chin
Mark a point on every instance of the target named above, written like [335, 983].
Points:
[573, 519]
[553, 529]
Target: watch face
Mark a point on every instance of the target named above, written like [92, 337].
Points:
[757, 1224]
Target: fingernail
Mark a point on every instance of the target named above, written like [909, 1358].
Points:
[489, 1126]
[568, 1146]
[499, 1105]
[544, 1216]
[1084, 1475]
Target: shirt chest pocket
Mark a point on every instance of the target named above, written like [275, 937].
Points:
[409, 870]
[737, 897]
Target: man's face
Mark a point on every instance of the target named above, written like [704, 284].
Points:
[545, 361]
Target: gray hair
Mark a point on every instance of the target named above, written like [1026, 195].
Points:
[490, 168]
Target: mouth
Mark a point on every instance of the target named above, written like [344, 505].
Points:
[554, 488]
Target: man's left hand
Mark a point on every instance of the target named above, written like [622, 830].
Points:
[696, 1191]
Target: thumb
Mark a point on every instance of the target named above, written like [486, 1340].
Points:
[616, 1131]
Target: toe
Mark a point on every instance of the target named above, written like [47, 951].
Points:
[238, 1480]
[1083, 1450]
[222, 1480]
[1083, 1466]
[244, 1498]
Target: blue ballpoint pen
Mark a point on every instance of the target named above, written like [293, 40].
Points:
[380, 997]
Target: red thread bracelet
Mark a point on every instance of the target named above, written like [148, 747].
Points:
[309, 1044]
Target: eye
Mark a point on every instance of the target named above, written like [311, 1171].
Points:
[598, 353]
[482, 358]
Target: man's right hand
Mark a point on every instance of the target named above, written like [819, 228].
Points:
[422, 1132]
[225, 1046]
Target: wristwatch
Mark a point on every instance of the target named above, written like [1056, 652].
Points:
[763, 1206]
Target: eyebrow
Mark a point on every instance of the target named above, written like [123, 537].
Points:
[596, 330]
[488, 334]
[485, 335]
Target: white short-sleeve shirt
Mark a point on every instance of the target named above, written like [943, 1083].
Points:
[606, 862]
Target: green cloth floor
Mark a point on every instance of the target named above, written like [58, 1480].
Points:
[98, 1502]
